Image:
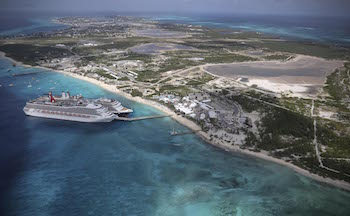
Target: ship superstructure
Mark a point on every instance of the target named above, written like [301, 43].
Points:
[75, 108]
[113, 106]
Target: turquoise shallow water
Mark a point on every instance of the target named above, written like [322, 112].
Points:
[335, 30]
[50, 167]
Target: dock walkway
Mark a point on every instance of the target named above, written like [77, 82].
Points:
[140, 118]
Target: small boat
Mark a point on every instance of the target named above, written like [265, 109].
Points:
[29, 86]
[174, 132]
[178, 144]
[8, 70]
[11, 85]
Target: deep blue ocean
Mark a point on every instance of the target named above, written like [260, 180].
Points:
[50, 167]
[27, 22]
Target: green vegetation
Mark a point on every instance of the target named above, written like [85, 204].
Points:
[141, 57]
[298, 105]
[136, 93]
[247, 104]
[251, 139]
[335, 136]
[166, 80]
[119, 44]
[175, 63]
[277, 123]
[179, 90]
[227, 58]
[342, 165]
[148, 76]
[305, 48]
[104, 73]
[218, 45]
[124, 79]
[277, 57]
[338, 83]
[98, 59]
[201, 80]
[32, 54]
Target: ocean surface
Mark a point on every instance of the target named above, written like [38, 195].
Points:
[335, 30]
[24, 22]
[50, 167]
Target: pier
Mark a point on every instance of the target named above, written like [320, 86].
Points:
[141, 118]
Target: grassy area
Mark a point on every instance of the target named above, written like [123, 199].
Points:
[166, 80]
[124, 79]
[104, 73]
[136, 93]
[305, 48]
[148, 76]
[217, 45]
[227, 58]
[98, 59]
[296, 104]
[179, 90]
[200, 80]
[136, 56]
[175, 63]
[219, 33]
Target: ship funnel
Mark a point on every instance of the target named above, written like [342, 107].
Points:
[63, 95]
[68, 95]
[52, 100]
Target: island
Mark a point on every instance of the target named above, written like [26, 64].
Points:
[279, 99]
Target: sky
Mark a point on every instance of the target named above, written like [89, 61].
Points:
[288, 7]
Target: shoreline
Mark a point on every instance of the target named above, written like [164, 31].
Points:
[194, 127]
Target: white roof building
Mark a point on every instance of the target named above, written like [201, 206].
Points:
[212, 114]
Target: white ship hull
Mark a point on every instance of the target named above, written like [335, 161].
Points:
[37, 113]
[75, 108]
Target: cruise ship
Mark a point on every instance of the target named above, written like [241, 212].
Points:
[113, 106]
[75, 108]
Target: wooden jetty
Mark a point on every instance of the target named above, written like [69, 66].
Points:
[141, 118]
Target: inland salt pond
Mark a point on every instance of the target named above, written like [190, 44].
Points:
[50, 167]
[159, 33]
[158, 48]
[301, 75]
